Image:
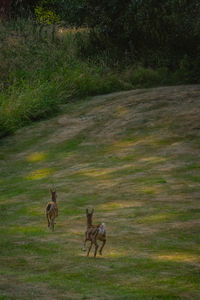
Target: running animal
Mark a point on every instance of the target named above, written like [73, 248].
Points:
[52, 210]
[94, 233]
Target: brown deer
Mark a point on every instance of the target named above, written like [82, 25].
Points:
[94, 233]
[52, 210]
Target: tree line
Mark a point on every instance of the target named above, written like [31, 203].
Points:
[157, 33]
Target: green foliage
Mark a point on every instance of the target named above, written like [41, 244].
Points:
[45, 15]
[155, 34]
[23, 8]
[147, 77]
[168, 30]
[41, 69]
[188, 70]
[72, 12]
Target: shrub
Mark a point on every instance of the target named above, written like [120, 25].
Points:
[147, 77]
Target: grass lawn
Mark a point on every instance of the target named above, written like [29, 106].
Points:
[134, 157]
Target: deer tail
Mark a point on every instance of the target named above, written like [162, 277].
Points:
[102, 228]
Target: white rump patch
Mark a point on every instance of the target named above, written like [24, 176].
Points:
[102, 228]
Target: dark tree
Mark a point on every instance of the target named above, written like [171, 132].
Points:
[5, 6]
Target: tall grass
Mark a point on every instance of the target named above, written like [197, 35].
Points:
[45, 66]
[41, 68]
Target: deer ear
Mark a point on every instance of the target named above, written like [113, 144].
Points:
[51, 190]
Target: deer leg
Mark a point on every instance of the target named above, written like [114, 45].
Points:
[84, 243]
[89, 248]
[54, 217]
[52, 224]
[48, 220]
[103, 244]
[96, 248]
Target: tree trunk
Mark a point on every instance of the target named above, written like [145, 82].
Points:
[5, 6]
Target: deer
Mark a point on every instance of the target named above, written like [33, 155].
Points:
[52, 210]
[94, 233]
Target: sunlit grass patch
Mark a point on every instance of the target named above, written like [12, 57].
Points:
[135, 145]
[118, 205]
[37, 157]
[154, 159]
[123, 145]
[169, 141]
[178, 257]
[157, 218]
[110, 172]
[77, 231]
[117, 253]
[68, 35]
[39, 174]
[95, 172]
[153, 190]
[121, 111]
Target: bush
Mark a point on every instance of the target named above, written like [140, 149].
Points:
[188, 71]
[146, 77]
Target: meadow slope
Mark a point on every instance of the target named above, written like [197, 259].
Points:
[133, 156]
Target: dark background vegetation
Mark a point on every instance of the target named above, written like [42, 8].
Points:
[156, 33]
[116, 45]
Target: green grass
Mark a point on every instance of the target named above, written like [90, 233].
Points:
[142, 181]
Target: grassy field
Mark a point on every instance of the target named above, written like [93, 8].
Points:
[134, 157]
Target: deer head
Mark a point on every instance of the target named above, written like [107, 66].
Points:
[53, 195]
[89, 217]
